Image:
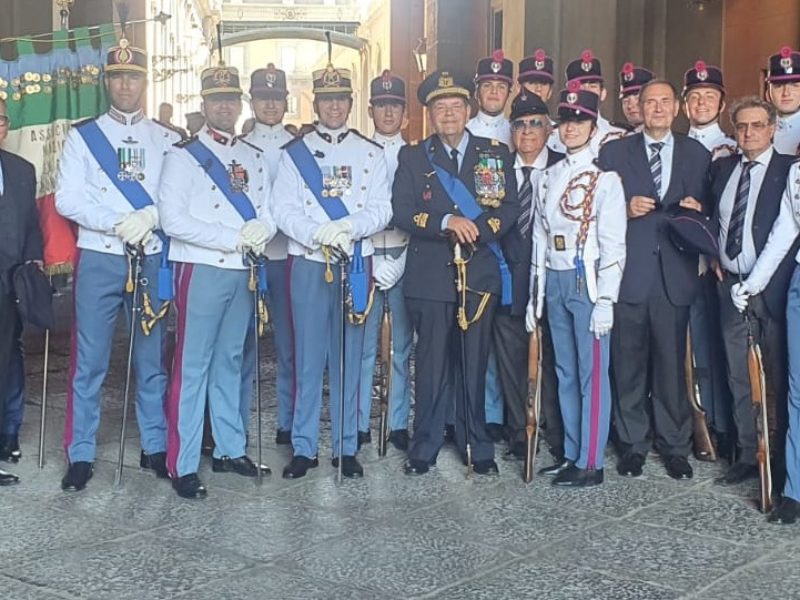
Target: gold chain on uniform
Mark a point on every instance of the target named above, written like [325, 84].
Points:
[355, 318]
[461, 287]
[263, 314]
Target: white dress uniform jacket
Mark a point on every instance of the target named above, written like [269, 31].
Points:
[391, 238]
[87, 196]
[270, 138]
[296, 210]
[787, 135]
[784, 232]
[715, 140]
[203, 224]
[555, 235]
[495, 127]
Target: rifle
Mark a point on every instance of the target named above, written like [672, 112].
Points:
[758, 393]
[703, 447]
[533, 402]
[386, 364]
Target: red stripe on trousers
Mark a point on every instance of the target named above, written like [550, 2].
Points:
[183, 274]
[594, 407]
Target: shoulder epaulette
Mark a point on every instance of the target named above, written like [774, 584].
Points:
[85, 121]
[494, 142]
[240, 138]
[185, 142]
[413, 142]
[363, 137]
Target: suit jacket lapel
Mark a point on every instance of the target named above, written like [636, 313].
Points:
[772, 182]
[675, 176]
[638, 156]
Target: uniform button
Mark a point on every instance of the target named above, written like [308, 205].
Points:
[213, 187]
[221, 260]
[309, 252]
[359, 205]
[308, 202]
[366, 170]
[216, 206]
[260, 170]
[363, 188]
[261, 187]
[104, 190]
[258, 206]
[108, 245]
[165, 152]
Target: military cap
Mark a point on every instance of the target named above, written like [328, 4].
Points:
[269, 82]
[527, 103]
[632, 78]
[443, 83]
[220, 80]
[387, 87]
[538, 67]
[576, 104]
[331, 80]
[495, 67]
[703, 75]
[125, 57]
[784, 66]
[586, 69]
[692, 232]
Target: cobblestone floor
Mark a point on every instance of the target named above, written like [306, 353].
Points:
[387, 536]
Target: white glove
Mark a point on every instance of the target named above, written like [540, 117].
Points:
[740, 294]
[343, 241]
[602, 318]
[530, 316]
[137, 226]
[326, 232]
[254, 233]
[389, 271]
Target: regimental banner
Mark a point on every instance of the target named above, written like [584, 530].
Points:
[46, 94]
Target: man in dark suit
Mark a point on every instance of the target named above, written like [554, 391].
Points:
[746, 191]
[530, 130]
[661, 172]
[453, 192]
[20, 242]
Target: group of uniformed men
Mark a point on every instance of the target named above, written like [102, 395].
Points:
[485, 231]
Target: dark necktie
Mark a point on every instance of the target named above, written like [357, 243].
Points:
[733, 245]
[454, 160]
[525, 197]
[655, 166]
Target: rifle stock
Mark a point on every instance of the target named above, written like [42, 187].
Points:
[532, 404]
[386, 360]
[701, 440]
[755, 369]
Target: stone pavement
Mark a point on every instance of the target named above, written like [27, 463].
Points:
[388, 535]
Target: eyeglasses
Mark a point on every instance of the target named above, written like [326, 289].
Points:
[522, 124]
[757, 126]
[4, 120]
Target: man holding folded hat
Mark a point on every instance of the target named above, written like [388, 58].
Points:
[108, 184]
[215, 204]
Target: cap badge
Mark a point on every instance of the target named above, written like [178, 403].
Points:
[331, 77]
[270, 79]
[445, 80]
[572, 98]
[495, 66]
[586, 60]
[222, 77]
[387, 85]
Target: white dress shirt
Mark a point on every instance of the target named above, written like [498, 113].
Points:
[666, 159]
[393, 237]
[747, 258]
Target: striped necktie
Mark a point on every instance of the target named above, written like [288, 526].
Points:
[733, 245]
[655, 166]
[525, 201]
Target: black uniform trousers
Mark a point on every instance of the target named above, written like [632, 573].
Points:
[8, 337]
[648, 348]
[510, 341]
[438, 376]
[770, 333]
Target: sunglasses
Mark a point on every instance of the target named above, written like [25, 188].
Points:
[522, 124]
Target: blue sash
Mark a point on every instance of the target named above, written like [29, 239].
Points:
[335, 209]
[132, 190]
[463, 198]
[239, 200]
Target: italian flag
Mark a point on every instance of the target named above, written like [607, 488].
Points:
[46, 93]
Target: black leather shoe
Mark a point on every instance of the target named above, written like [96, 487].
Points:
[283, 437]
[575, 477]
[364, 437]
[449, 434]
[78, 475]
[485, 467]
[156, 462]
[630, 465]
[399, 439]
[495, 432]
[299, 466]
[9, 448]
[516, 451]
[350, 467]
[556, 469]
[7, 478]
[738, 473]
[785, 513]
[241, 465]
[415, 467]
[678, 467]
[189, 486]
